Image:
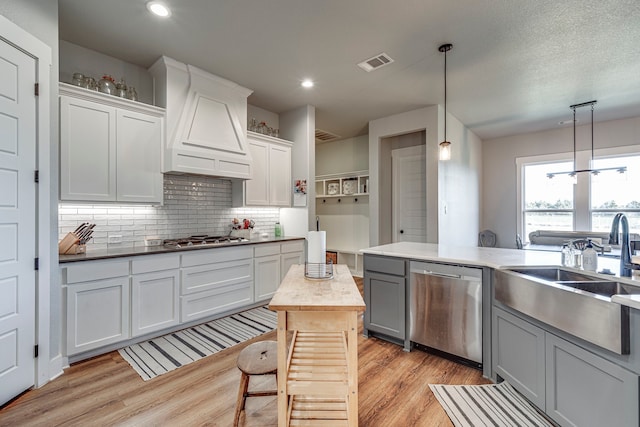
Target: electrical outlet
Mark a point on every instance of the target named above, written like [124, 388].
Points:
[114, 238]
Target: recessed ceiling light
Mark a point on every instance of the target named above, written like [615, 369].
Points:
[158, 8]
[566, 122]
[308, 83]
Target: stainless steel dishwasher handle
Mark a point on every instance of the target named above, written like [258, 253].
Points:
[449, 276]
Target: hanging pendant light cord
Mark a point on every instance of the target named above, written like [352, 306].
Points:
[445, 95]
[574, 138]
[591, 165]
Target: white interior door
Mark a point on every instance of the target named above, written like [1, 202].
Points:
[17, 221]
[409, 194]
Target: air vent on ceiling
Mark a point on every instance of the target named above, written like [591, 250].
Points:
[375, 62]
[324, 136]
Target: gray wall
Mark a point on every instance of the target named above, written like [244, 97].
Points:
[460, 186]
[453, 187]
[40, 18]
[346, 221]
[298, 125]
[74, 58]
[343, 156]
[499, 207]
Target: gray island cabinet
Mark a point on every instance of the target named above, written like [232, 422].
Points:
[575, 382]
[385, 292]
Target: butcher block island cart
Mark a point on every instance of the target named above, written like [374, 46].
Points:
[318, 376]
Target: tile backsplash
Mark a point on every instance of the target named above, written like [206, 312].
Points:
[192, 205]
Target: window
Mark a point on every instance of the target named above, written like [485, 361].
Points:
[612, 192]
[548, 203]
[586, 202]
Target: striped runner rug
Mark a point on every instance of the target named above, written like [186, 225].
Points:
[168, 352]
[488, 405]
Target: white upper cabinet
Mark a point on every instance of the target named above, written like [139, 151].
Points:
[138, 159]
[271, 184]
[110, 148]
[256, 191]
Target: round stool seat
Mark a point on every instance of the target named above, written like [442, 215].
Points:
[259, 358]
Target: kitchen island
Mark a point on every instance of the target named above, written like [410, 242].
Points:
[318, 376]
[562, 374]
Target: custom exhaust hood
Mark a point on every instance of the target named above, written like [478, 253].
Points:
[206, 121]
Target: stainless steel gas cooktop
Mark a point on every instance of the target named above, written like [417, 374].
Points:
[201, 241]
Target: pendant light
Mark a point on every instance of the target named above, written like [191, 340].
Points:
[445, 146]
[575, 171]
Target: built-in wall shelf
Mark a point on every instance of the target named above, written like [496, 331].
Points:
[352, 259]
[350, 184]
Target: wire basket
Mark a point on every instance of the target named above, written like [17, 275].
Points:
[318, 271]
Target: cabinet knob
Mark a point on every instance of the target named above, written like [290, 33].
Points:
[401, 231]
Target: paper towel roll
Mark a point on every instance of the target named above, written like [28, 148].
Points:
[317, 246]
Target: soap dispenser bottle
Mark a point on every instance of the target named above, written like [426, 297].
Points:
[590, 258]
[567, 256]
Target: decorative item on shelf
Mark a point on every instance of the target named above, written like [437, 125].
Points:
[445, 146]
[350, 186]
[90, 83]
[77, 79]
[333, 188]
[332, 257]
[132, 94]
[121, 89]
[107, 85]
[262, 128]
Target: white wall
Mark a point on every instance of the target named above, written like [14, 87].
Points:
[299, 125]
[499, 155]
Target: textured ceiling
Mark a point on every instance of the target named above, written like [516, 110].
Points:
[515, 67]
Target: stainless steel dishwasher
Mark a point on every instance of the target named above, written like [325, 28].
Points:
[446, 309]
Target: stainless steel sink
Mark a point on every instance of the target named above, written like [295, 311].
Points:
[554, 274]
[604, 288]
[572, 302]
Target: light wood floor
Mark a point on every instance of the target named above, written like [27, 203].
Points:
[393, 391]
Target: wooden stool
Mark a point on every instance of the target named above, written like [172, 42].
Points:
[259, 358]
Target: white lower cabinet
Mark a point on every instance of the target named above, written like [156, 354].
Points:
[267, 275]
[291, 253]
[114, 300]
[155, 293]
[575, 387]
[97, 296]
[214, 281]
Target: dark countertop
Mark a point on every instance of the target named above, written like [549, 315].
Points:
[97, 254]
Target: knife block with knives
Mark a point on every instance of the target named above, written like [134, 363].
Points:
[75, 242]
